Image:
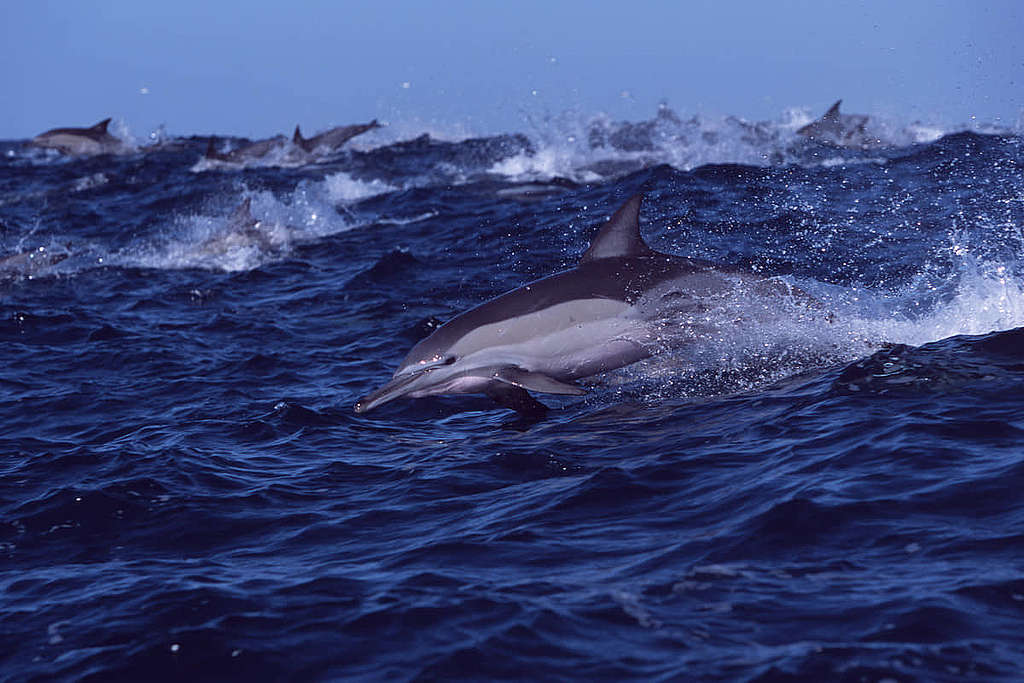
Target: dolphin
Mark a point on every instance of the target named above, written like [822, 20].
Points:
[241, 231]
[843, 130]
[31, 264]
[247, 152]
[81, 141]
[611, 310]
[333, 138]
[644, 136]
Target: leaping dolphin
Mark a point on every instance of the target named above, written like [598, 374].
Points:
[333, 138]
[81, 141]
[606, 313]
[843, 130]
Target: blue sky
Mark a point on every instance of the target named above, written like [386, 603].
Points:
[258, 68]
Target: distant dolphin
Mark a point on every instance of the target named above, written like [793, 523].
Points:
[333, 138]
[30, 264]
[644, 136]
[605, 313]
[81, 141]
[843, 130]
[250, 151]
[241, 231]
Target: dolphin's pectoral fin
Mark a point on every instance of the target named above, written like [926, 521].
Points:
[516, 398]
[535, 381]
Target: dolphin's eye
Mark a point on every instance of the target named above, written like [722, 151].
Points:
[437, 362]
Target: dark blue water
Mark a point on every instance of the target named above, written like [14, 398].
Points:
[186, 493]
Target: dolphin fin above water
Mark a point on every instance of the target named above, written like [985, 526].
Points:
[835, 128]
[620, 236]
[833, 112]
[100, 128]
[241, 217]
[607, 312]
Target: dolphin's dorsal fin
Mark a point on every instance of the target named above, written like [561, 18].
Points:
[620, 236]
[101, 127]
[833, 112]
[242, 217]
[297, 136]
[211, 148]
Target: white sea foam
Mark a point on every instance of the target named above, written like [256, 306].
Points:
[119, 129]
[587, 148]
[743, 342]
[548, 162]
[341, 187]
[987, 298]
[208, 240]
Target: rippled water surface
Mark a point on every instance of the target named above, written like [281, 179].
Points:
[186, 493]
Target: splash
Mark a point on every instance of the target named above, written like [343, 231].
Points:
[214, 240]
[589, 148]
[742, 341]
[205, 241]
[342, 187]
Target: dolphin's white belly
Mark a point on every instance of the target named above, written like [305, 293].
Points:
[568, 341]
[72, 144]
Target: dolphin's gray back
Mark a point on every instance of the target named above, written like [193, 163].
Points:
[92, 140]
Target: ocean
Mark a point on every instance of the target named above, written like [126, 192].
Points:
[187, 494]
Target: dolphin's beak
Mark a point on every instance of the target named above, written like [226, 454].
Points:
[398, 386]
